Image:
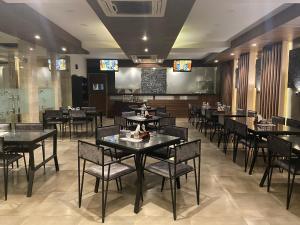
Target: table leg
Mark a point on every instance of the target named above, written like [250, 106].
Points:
[31, 171]
[55, 151]
[96, 122]
[255, 151]
[139, 170]
[263, 179]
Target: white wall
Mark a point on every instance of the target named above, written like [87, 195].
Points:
[80, 60]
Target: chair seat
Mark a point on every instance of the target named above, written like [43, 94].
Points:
[162, 168]
[284, 163]
[163, 153]
[116, 170]
[10, 157]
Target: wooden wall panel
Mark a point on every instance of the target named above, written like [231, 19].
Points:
[242, 86]
[226, 73]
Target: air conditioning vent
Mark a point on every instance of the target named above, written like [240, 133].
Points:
[133, 8]
[144, 58]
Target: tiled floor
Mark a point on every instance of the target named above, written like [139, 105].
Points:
[228, 195]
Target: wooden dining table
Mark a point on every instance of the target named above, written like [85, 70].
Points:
[295, 140]
[264, 130]
[139, 149]
[30, 138]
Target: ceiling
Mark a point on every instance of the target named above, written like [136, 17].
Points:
[209, 27]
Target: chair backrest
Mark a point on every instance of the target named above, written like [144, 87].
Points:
[227, 108]
[161, 109]
[120, 121]
[251, 113]
[75, 114]
[181, 132]
[167, 121]
[5, 126]
[89, 109]
[128, 114]
[29, 126]
[163, 114]
[241, 130]
[187, 151]
[278, 120]
[279, 147]
[107, 131]
[241, 112]
[228, 125]
[90, 152]
[293, 123]
[53, 114]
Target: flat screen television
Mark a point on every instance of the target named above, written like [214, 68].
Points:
[183, 65]
[60, 64]
[109, 65]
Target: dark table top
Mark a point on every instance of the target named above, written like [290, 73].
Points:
[27, 137]
[140, 119]
[295, 141]
[266, 130]
[227, 114]
[155, 141]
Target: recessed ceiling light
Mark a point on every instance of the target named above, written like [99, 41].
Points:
[64, 49]
[216, 61]
[232, 54]
[254, 45]
[146, 50]
[154, 68]
[145, 38]
[37, 37]
[31, 49]
[160, 60]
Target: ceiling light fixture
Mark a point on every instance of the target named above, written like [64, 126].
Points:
[145, 38]
[216, 61]
[254, 45]
[64, 49]
[37, 37]
[146, 50]
[232, 54]
[31, 49]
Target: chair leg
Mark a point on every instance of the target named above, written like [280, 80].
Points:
[172, 195]
[97, 185]
[120, 182]
[290, 190]
[162, 184]
[105, 201]
[5, 173]
[44, 157]
[81, 185]
[270, 178]
[197, 182]
[25, 165]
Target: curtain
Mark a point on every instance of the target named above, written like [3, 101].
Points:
[226, 74]
[242, 85]
[270, 80]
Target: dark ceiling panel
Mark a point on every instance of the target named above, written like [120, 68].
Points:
[161, 31]
[19, 20]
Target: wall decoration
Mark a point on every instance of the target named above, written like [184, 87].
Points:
[154, 81]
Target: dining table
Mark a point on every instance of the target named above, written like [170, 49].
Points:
[295, 140]
[139, 148]
[260, 131]
[143, 109]
[31, 138]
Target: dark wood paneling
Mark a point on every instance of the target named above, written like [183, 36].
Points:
[98, 98]
[79, 91]
[226, 72]
[242, 89]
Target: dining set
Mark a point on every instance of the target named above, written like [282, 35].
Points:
[277, 139]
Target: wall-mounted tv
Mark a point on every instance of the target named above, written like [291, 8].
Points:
[109, 65]
[182, 65]
[60, 64]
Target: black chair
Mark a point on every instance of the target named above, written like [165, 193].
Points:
[293, 123]
[167, 121]
[102, 168]
[77, 118]
[280, 155]
[241, 112]
[26, 148]
[163, 114]
[247, 140]
[176, 167]
[278, 120]
[120, 121]
[226, 133]
[7, 158]
[90, 115]
[252, 113]
[161, 109]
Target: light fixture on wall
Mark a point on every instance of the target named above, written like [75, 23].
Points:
[232, 54]
[254, 45]
[216, 61]
[37, 37]
[145, 38]
[64, 49]
[146, 50]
